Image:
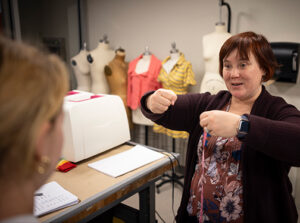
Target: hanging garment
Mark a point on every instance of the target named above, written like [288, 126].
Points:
[139, 84]
[178, 80]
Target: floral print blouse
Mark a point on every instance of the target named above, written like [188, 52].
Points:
[222, 185]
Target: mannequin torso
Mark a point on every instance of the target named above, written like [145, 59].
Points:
[116, 76]
[98, 58]
[168, 66]
[212, 43]
[142, 66]
[176, 75]
[115, 73]
[82, 70]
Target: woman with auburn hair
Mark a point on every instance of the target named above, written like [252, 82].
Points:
[242, 142]
[32, 89]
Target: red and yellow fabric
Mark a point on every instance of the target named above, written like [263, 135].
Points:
[65, 165]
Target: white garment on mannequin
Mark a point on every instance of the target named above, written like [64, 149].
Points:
[168, 66]
[142, 66]
[212, 81]
[81, 69]
[139, 118]
[101, 56]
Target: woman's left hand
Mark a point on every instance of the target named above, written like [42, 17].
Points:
[220, 123]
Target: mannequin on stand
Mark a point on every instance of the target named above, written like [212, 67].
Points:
[174, 56]
[142, 77]
[81, 69]
[142, 66]
[98, 58]
[116, 76]
[176, 74]
[212, 81]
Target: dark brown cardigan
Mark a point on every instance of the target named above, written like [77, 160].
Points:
[271, 147]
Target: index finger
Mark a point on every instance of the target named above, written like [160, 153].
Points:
[170, 95]
[203, 115]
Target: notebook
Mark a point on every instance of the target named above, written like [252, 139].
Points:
[127, 161]
[54, 197]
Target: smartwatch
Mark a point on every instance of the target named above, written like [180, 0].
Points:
[243, 127]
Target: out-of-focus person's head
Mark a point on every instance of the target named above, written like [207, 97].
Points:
[32, 87]
[246, 43]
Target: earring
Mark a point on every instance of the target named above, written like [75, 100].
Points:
[43, 165]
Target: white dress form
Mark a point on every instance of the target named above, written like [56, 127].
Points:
[98, 58]
[142, 66]
[168, 66]
[81, 69]
[212, 81]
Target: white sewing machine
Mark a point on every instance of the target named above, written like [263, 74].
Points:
[92, 124]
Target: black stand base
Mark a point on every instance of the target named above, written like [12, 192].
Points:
[166, 178]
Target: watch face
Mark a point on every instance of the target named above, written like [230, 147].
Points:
[244, 126]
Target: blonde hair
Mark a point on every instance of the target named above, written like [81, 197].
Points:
[32, 88]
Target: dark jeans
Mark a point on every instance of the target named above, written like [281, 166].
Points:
[193, 219]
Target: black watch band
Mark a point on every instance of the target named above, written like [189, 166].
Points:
[243, 127]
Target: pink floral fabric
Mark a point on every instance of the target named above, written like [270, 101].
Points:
[222, 185]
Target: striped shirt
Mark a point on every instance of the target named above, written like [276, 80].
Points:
[178, 80]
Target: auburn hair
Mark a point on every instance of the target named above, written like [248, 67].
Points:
[246, 43]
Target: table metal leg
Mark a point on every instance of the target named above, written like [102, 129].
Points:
[147, 204]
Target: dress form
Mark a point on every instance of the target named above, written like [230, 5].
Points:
[212, 81]
[176, 74]
[168, 66]
[141, 67]
[174, 56]
[143, 64]
[81, 69]
[116, 76]
[98, 58]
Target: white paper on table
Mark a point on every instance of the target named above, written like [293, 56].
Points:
[127, 161]
[54, 197]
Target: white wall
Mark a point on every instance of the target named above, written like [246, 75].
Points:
[133, 24]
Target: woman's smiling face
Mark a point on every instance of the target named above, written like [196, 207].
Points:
[243, 77]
